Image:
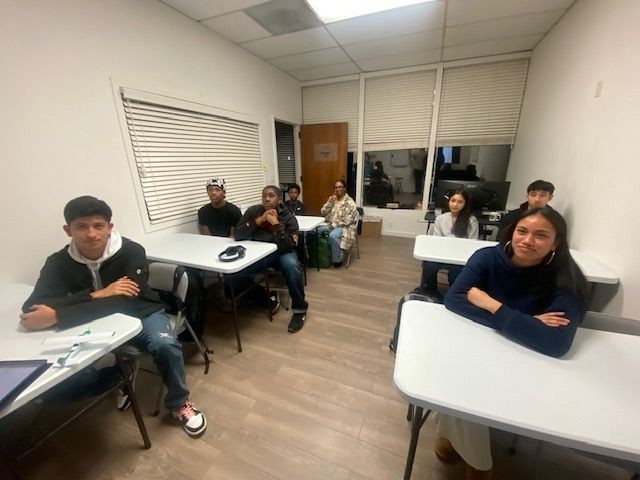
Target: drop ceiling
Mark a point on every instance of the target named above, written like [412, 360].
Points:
[287, 33]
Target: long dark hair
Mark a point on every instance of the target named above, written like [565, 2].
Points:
[557, 269]
[461, 225]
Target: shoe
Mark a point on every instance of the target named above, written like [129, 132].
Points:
[337, 264]
[475, 474]
[445, 451]
[297, 322]
[193, 420]
[274, 302]
[122, 400]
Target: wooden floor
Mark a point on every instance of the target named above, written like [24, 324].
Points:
[319, 404]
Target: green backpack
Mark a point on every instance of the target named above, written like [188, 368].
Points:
[318, 250]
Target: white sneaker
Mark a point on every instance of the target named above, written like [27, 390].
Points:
[193, 420]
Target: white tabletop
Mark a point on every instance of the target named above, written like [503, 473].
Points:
[201, 251]
[307, 223]
[456, 251]
[17, 343]
[588, 400]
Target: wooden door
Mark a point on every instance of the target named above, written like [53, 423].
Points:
[323, 149]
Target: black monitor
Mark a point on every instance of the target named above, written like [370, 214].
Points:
[484, 195]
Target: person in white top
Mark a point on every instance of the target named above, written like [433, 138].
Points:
[457, 222]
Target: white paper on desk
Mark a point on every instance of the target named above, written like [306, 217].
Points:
[104, 337]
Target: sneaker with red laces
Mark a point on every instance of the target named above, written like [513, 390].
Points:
[193, 420]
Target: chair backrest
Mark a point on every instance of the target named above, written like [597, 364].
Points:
[167, 277]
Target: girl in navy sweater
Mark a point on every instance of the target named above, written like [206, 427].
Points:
[529, 288]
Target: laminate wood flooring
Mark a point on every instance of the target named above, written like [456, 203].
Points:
[315, 405]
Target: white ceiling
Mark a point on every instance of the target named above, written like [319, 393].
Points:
[287, 34]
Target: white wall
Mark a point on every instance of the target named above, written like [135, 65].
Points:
[587, 146]
[60, 132]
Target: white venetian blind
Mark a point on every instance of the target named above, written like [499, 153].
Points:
[177, 149]
[398, 110]
[331, 103]
[285, 152]
[480, 104]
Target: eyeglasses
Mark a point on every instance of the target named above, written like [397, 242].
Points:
[339, 188]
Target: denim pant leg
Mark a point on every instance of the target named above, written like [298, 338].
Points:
[159, 340]
[292, 272]
[429, 279]
[454, 271]
[334, 242]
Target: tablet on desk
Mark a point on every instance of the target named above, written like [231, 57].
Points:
[16, 375]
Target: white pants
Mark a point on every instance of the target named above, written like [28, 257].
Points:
[471, 440]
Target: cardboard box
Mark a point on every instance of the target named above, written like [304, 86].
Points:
[371, 226]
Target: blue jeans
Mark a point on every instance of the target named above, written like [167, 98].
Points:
[158, 339]
[291, 269]
[335, 236]
[430, 274]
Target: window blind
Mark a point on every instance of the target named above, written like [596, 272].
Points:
[177, 150]
[285, 152]
[480, 104]
[330, 103]
[398, 110]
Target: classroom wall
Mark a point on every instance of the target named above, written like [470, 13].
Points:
[587, 145]
[60, 132]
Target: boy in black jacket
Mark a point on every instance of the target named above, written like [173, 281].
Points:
[270, 222]
[100, 273]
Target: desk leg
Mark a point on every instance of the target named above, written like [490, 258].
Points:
[416, 425]
[126, 371]
[235, 316]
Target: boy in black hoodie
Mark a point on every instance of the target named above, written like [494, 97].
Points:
[271, 222]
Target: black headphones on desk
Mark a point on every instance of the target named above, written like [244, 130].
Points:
[234, 252]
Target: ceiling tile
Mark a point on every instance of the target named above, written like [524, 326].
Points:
[469, 11]
[237, 27]
[501, 28]
[397, 61]
[392, 23]
[290, 43]
[395, 45]
[318, 58]
[201, 9]
[327, 71]
[491, 47]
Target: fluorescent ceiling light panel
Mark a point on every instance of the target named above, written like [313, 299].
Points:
[334, 10]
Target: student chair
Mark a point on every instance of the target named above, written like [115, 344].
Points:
[172, 280]
[356, 245]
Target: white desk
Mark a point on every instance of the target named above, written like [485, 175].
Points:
[588, 400]
[17, 343]
[456, 251]
[201, 251]
[308, 223]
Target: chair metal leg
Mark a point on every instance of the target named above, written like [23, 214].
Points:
[203, 350]
[268, 287]
[161, 394]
